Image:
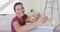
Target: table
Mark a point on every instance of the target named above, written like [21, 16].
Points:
[43, 29]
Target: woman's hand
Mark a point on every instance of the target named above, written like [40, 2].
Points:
[41, 20]
[32, 19]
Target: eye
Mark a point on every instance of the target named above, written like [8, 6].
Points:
[18, 9]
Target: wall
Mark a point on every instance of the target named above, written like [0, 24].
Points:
[36, 5]
[28, 4]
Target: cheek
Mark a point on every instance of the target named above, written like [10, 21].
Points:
[17, 12]
[23, 10]
[21, 13]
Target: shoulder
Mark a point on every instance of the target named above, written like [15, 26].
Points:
[15, 19]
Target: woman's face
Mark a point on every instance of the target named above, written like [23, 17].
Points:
[20, 10]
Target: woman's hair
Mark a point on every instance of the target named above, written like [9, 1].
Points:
[18, 3]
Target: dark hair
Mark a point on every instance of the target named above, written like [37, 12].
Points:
[18, 3]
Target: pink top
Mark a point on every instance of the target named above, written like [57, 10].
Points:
[16, 19]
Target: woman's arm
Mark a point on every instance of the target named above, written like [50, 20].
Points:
[24, 28]
[30, 19]
[28, 27]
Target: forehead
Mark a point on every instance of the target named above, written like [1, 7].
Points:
[19, 6]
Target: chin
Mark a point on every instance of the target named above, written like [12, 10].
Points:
[22, 15]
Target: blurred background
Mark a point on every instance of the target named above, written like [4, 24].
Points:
[32, 7]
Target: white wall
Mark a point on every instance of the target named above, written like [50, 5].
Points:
[28, 4]
[36, 5]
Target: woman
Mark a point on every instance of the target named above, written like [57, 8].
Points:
[18, 23]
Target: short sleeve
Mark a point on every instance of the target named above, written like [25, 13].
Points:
[14, 19]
